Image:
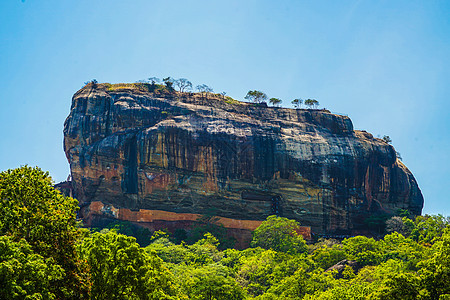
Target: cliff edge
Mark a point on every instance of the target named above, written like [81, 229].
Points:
[147, 155]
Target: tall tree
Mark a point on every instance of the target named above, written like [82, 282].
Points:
[297, 102]
[208, 89]
[25, 274]
[211, 281]
[256, 96]
[279, 234]
[311, 103]
[315, 103]
[275, 101]
[183, 84]
[154, 80]
[31, 209]
[435, 271]
[121, 269]
[387, 139]
[168, 81]
[203, 88]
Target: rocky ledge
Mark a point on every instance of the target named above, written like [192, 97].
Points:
[178, 155]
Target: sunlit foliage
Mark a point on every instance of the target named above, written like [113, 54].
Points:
[45, 255]
[32, 210]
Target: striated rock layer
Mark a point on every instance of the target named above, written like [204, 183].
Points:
[185, 155]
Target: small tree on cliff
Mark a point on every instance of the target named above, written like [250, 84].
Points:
[297, 102]
[256, 96]
[203, 88]
[153, 80]
[279, 234]
[183, 84]
[312, 103]
[387, 139]
[32, 210]
[207, 90]
[275, 101]
[92, 82]
[168, 81]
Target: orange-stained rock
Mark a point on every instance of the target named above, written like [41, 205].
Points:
[240, 230]
[149, 216]
[168, 157]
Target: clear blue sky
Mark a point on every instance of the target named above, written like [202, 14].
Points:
[384, 63]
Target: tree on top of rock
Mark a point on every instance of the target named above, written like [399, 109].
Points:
[275, 101]
[311, 103]
[153, 80]
[203, 88]
[256, 96]
[297, 102]
[183, 84]
[92, 82]
[168, 81]
[387, 139]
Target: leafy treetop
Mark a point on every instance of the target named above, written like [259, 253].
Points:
[256, 96]
[311, 103]
[297, 102]
[279, 234]
[31, 209]
[168, 81]
[275, 101]
[183, 84]
[121, 269]
[44, 255]
[154, 80]
[387, 139]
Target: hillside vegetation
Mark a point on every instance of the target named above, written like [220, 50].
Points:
[46, 254]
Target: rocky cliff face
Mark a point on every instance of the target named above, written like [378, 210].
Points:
[185, 155]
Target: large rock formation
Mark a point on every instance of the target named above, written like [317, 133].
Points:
[150, 155]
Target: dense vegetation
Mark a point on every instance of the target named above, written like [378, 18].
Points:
[45, 254]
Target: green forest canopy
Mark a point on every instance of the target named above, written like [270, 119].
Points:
[45, 254]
